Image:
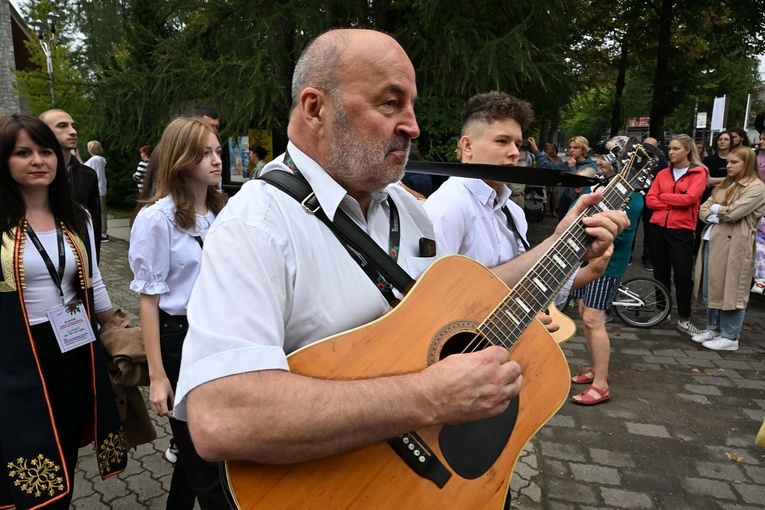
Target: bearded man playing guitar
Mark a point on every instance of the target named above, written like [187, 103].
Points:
[350, 128]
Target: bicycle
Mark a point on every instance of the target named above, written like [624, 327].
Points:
[640, 302]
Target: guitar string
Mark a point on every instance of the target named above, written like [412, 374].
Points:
[543, 269]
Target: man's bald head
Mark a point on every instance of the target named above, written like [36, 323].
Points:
[319, 64]
[651, 141]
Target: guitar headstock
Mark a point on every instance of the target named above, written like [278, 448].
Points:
[635, 164]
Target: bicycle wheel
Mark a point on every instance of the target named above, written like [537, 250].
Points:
[655, 307]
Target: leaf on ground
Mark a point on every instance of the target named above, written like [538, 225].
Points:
[734, 458]
[695, 370]
[637, 368]
[749, 327]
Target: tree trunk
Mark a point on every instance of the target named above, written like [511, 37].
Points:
[621, 78]
[661, 80]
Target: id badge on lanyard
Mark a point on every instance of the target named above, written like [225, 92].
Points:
[71, 325]
[69, 321]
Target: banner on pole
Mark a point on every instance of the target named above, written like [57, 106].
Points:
[718, 114]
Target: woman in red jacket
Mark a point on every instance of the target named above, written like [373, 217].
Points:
[675, 197]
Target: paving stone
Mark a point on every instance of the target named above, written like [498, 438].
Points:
[720, 471]
[755, 414]
[699, 399]
[91, 501]
[755, 473]
[560, 420]
[751, 384]
[144, 486]
[752, 494]
[706, 487]
[659, 360]
[696, 363]
[618, 498]
[702, 389]
[595, 474]
[562, 451]
[573, 492]
[612, 458]
[647, 429]
[714, 380]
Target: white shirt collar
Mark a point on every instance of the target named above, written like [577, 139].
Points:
[486, 194]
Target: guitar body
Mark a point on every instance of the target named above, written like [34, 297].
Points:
[435, 318]
[567, 325]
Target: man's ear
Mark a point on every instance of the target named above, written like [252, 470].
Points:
[466, 144]
[313, 107]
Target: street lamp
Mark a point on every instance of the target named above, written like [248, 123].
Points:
[47, 31]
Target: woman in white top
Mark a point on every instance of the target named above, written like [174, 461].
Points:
[165, 254]
[56, 395]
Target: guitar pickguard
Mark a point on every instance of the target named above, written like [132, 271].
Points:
[473, 448]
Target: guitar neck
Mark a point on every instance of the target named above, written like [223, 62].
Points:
[539, 286]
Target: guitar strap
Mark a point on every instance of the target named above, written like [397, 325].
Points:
[410, 447]
[372, 259]
[513, 228]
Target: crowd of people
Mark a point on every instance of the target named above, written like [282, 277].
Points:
[218, 371]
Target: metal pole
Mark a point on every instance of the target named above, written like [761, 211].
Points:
[695, 117]
[49, 61]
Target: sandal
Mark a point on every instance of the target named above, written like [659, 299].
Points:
[587, 398]
[584, 378]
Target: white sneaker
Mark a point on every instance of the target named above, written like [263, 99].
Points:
[758, 288]
[721, 344]
[688, 328]
[705, 336]
[171, 454]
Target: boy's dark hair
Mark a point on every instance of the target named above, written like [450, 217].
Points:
[204, 111]
[493, 106]
[259, 150]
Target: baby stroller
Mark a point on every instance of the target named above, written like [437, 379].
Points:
[536, 198]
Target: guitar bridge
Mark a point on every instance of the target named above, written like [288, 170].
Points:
[420, 458]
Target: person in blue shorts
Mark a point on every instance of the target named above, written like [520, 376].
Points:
[597, 296]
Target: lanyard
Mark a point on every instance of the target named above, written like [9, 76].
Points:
[394, 241]
[57, 276]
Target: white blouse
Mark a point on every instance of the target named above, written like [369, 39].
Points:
[165, 258]
[41, 294]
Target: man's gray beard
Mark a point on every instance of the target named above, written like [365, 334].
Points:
[360, 162]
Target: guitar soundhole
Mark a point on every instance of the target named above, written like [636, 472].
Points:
[468, 341]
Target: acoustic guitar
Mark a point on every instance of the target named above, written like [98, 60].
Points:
[566, 325]
[467, 308]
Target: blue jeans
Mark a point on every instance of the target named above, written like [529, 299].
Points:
[727, 322]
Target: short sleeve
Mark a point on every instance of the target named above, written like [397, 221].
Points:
[149, 253]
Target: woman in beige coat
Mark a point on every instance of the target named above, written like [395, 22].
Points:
[726, 257]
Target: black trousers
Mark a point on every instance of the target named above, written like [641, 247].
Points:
[672, 251]
[647, 226]
[193, 477]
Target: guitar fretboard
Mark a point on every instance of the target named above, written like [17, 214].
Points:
[539, 286]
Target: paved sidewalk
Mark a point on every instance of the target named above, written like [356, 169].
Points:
[678, 432]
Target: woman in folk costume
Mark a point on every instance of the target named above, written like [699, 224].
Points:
[55, 394]
[725, 262]
[165, 254]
